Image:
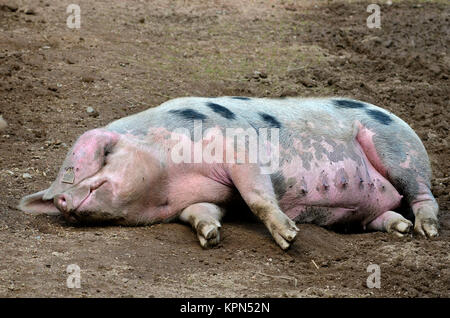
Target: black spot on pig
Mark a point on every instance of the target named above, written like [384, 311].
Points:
[240, 98]
[188, 113]
[222, 111]
[272, 121]
[345, 103]
[379, 116]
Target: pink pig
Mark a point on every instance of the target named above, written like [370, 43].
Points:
[334, 162]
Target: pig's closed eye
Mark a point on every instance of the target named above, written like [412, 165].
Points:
[105, 157]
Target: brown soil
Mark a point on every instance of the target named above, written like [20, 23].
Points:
[131, 55]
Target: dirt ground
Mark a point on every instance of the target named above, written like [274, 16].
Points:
[131, 55]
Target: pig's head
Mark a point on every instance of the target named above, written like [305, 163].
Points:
[106, 177]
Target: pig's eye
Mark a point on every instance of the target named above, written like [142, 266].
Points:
[107, 150]
[105, 157]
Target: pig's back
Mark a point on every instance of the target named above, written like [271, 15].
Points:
[318, 115]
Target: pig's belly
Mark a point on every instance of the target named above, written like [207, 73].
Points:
[332, 193]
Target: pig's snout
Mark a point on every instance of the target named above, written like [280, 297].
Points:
[62, 202]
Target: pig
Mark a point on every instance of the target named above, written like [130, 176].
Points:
[339, 163]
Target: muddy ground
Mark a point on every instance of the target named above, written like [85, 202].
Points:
[131, 55]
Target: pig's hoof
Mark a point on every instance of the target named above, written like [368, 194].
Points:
[285, 234]
[427, 227]
[208, 234]
[400, 227]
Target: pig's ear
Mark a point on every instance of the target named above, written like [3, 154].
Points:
[35, 204]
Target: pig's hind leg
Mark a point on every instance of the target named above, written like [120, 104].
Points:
[205, 220]
[399, 155]
[391, 222]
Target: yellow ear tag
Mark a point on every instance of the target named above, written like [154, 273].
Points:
[69, 176]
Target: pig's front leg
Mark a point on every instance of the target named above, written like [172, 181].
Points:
[257, 191]
[205, 220]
